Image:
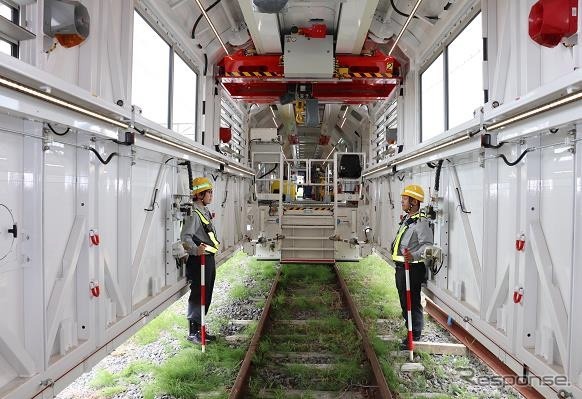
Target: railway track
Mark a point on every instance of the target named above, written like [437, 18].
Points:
[310, 342]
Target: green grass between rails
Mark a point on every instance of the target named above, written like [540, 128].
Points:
[191, 372]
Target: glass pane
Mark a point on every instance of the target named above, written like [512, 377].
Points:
[151, 72]
[433, 100]
[184, 105]
[6, 11]
[5, 47]
[465, 73]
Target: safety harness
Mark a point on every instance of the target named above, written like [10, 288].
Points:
[210, 248]
[403, 227]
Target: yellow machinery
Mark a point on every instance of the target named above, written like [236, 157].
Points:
[289, 189]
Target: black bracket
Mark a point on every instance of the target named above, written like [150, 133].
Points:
[14, 231]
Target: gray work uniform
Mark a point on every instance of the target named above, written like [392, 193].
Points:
[194, 233]
[415, 234]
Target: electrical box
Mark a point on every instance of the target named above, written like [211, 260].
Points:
[307, 57]
[265, 134]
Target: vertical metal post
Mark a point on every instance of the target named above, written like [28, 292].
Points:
[574, 365]
[528, 276]
[85, 206]
[489, 246]
[32, 245]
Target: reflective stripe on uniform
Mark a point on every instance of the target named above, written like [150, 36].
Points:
[401, 231]
[215, 243]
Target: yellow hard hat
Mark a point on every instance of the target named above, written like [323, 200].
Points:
[414, 191]
[200, 184]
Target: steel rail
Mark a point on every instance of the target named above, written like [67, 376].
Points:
[372, 358]
[481, 351]
[238, 389]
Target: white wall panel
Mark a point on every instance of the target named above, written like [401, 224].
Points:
[11, 282]
[144, 174]
[558, 194]
[60, 185]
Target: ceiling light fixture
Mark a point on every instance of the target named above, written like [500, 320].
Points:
[182, 147]
[543, 108]
[57, 101]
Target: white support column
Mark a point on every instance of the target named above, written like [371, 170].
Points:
[574, 366]
[86, 208]
[490, 31]
[469, 238]
[503, 55]
[126, 48]
[32, 245]
[489, 247]
[124, 225]
[113, 51]
[528, 277]
[91, 52]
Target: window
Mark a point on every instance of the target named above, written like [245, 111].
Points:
[385, 130]
[465, 57]
[452, 86]
[184, 99]
[433, 100]
[8, 44]
[151, 72]
[230, 117]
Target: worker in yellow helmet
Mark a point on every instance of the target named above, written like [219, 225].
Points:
[199, 237]
[415, 234]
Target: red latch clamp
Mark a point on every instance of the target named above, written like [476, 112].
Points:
[94, 236]
[517, 294]
[520, 242]
[94, 287]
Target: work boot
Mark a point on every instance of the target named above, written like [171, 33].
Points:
[193, 332]
[404, 342]
[195, 338]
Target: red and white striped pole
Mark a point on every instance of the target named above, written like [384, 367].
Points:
[408, 304]
[202, 302]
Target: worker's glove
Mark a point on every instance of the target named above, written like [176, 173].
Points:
[178, 251]
[408, 256]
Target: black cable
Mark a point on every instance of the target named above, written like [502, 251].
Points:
[268, 173]
[431, 165]
[151, 208]
[142, 132]
[104, 162]
[189, 167]
[200, 17]
[517, 160]
[400, 178]
[438, 176]
[404, 14]
[57, 133]
[205, 64]
[461, 202]
[494, 146]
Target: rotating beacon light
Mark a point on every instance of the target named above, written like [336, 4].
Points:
[67, 21]
[552, 20]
